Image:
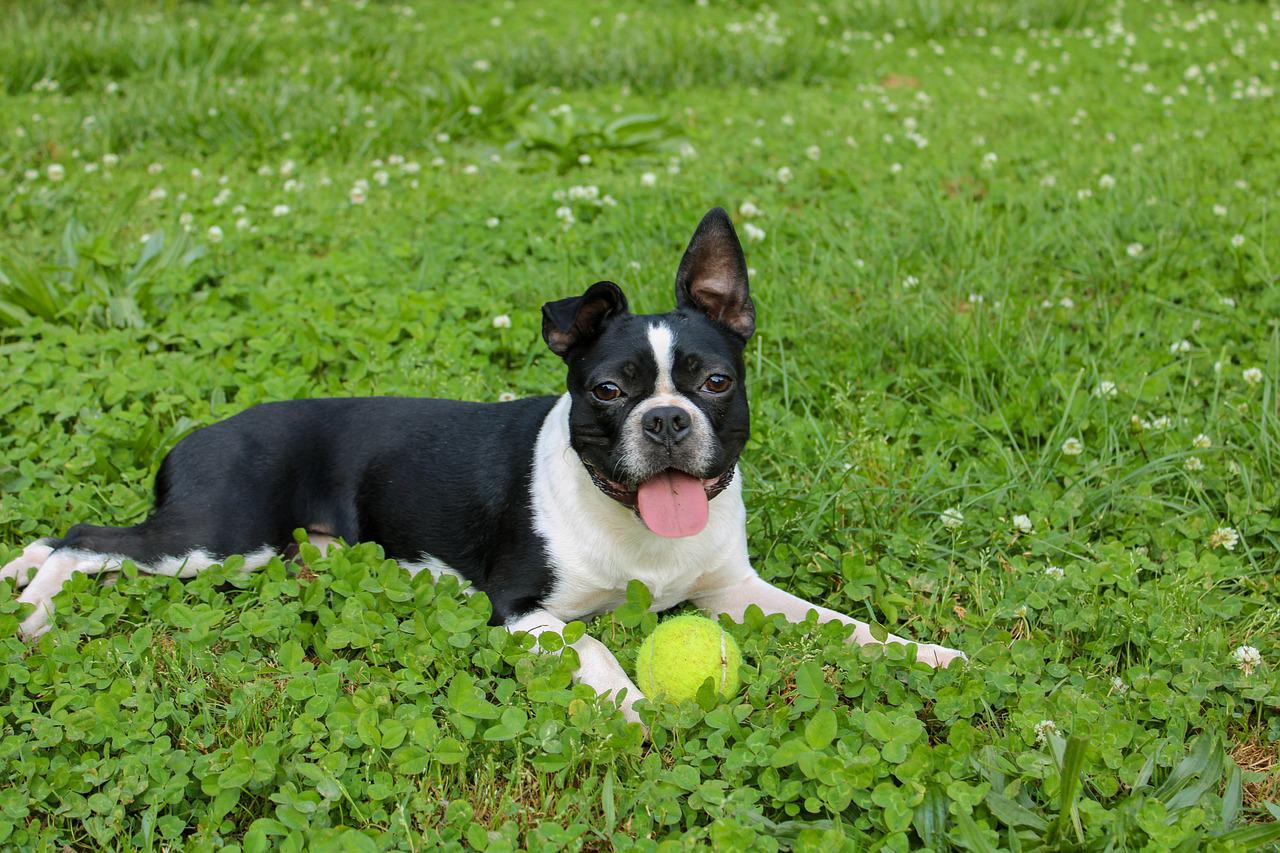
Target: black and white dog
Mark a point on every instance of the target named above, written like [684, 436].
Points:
[550, 505]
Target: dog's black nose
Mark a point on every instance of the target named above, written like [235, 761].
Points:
[666, 424]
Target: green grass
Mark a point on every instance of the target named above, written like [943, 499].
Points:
[994, 211]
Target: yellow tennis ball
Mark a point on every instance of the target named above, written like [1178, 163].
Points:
[682, 653]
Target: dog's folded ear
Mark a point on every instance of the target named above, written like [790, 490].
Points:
[713, 275]
[569, 322]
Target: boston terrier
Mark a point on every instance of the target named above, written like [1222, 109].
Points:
[549, 505]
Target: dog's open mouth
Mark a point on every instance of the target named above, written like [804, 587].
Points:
[672, 503]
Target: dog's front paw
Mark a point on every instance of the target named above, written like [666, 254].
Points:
[939, 656]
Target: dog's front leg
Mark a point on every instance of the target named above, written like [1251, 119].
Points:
[597, 665]
[734, 600]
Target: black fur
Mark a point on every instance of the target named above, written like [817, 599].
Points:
[435, 477]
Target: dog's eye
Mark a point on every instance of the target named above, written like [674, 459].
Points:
[717, 383]
[606, 391]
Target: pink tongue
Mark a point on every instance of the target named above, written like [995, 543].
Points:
[673, 504]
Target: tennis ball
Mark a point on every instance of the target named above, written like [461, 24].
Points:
[682, 653]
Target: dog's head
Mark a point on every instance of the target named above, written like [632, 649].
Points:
[659, 401]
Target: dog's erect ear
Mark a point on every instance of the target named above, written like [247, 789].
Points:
[713, 275]
[569, 322]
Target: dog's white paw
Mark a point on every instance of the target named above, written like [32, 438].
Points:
[43, 572]
[23, 567]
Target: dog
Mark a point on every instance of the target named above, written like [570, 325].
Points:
[549, 505]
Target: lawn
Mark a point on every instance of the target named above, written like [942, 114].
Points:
[1014, 391]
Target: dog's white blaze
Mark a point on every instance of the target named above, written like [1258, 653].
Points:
[663, 342]
[596, 545]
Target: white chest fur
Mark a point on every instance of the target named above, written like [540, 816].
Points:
[597, 545]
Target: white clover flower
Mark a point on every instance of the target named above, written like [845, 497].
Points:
[185, 218]
[1106, 182]
[1072, 447]
[895, 168]
[1084, 194]
[287, 168]
[1202, 441]
[357, 195]
[56, 171]
[506, 397]
[292, 185]
[221, 198]
[584, 159]
[1247, 658]
[442, 138]
[1183, 345]
[1049, 181]
[1219, 210]
[1237, 241]
[1135, 249]
[381, 178]
[481, 65]
[952, 518]
[1106, 388]
[785, 174]
[1193, 463]
[265, 171]
[470, 169]
[1054, 572]
[1226, 301]
[754, 232]
[813, 152]
[502, 321]
[748, 210]
[413, 167]
[1022, 523]
[158, 194]
[1044, 729]
[1118, 687]
[215, 234]
[90, 167]
[1224, 537]
[1252, 375]
[910, 282]
[280, 210]
[649, 179]
[196, 174]
[492, 222]
[1066, 302]
[243, 224]
[474, 110]
[155, 168]
[564, 213]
